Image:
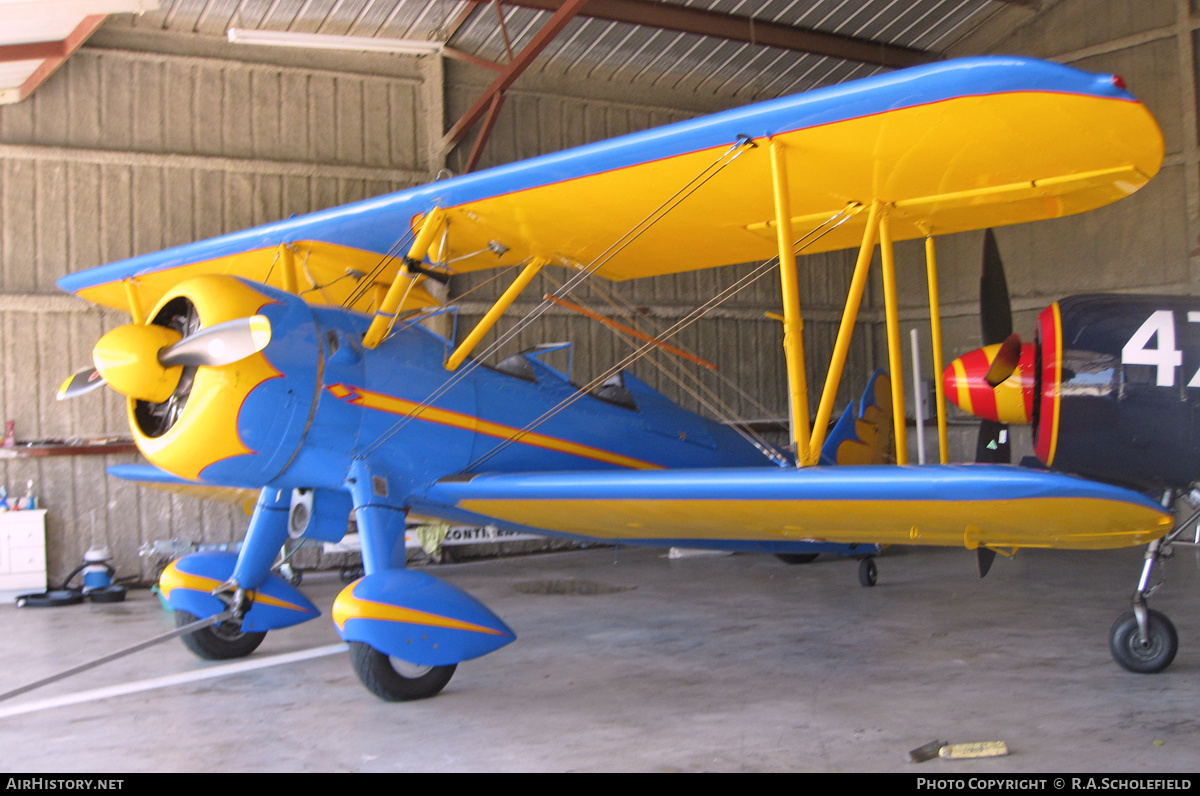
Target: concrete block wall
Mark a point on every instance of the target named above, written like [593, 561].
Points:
[142, 142]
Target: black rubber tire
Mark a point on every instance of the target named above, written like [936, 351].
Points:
[868, 573]
[218, 642]
[108, 594]
[380, 677]
[1152, 657]
[797, 558]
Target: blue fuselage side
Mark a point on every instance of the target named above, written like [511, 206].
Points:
[415, 422]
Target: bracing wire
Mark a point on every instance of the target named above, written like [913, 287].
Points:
[695, 183]
[758, 273]
[368, 279]
[693, 386]
[696, 388]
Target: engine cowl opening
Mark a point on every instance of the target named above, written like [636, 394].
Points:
[155, 419]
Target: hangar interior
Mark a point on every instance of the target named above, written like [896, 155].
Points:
[159, 130]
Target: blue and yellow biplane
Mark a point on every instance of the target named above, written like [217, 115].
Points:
[286, 358]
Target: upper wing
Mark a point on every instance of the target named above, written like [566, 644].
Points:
[968, 505]
[951, 146]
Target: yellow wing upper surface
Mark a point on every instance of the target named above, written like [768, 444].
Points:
[955, 165]
[948, 147]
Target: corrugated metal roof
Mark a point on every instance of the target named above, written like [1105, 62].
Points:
[619, 52]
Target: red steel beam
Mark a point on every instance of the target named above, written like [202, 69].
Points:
[451, 52]
[461, 19]
[629, 330]
[485, 132]
[564, 12]
[33, 51]
[77, 37]
[684, 19]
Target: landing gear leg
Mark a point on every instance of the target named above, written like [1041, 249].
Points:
[1143, 640]
[265, 535]
[381, 524]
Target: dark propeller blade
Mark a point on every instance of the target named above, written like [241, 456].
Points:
[1005, 361]
[984, 557]
[995, 318]
[995, 310]
[80, 382]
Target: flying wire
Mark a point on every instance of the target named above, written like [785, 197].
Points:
[762, 270]
[721, 409]
[368, 279]
[695, 183]
[690, 382]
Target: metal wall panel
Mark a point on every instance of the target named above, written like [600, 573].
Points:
[148, 102]
[124, 152]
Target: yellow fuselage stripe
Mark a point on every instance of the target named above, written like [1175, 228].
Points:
[445, 417]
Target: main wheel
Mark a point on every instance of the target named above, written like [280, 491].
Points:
[868, 573]
[797, 558]
[394, 680]
[218, 642]
[1148, 656]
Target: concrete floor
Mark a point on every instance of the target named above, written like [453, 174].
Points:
[733, 663]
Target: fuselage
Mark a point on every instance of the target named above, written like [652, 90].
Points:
[1111, 386]
[399, 408]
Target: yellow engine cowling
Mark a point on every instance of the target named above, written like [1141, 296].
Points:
[202, 428]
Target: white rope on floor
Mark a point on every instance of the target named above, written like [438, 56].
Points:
[166, 681]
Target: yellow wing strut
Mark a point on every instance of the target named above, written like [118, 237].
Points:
[891, 309]
[135, 301]
[793, 323]
[842, 345]
[489, 320]
[287, 267]
[935, 328]
[386, 313]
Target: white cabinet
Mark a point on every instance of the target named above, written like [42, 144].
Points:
[23, 550]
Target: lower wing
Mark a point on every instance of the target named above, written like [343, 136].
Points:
[973, 506]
